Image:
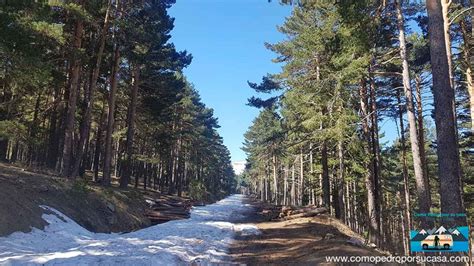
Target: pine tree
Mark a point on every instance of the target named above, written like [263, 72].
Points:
[447, 147]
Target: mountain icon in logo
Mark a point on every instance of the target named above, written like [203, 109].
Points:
[441, 230]
[458, 236]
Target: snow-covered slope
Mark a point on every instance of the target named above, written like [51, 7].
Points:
[202, 239]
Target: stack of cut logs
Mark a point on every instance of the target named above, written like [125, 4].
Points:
[291, 212]
[167, 209]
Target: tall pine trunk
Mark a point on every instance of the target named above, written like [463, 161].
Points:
[111, 117]
[301, 187]
[449, 171]
[373, 224]
[86, 123]
[293, 187]
[65, 167]
[325, 175]
[424, 197]
[98, 142]
[275, 181]
[32, 153]
[376, 157]
[125, 178]
[421, 130]
[406, 182]
[340, 182]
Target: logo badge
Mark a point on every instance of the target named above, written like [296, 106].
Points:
[440, 239]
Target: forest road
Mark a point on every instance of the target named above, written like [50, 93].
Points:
[204, 238]
[299, 241]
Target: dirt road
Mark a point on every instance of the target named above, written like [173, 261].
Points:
[297, 241]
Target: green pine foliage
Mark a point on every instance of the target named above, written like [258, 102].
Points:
[316, 126]
[175, 138]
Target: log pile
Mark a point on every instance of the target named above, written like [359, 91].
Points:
[303, 212]
[309, 211]
[168, 208]
[290, 212]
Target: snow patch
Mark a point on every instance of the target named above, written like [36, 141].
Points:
[202, 239]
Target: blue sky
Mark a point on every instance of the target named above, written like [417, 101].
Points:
[226, 39]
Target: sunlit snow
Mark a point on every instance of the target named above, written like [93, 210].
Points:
[202, 239]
